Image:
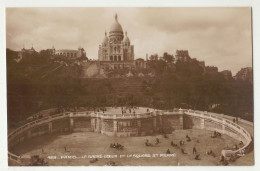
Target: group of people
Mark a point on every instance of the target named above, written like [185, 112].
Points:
[194, 150]
[188, 138]
[216, 134]
[101, 109]
[235, 147]
[223, 161]
[235, 120]
[181, 142]
[173, 144]
[241, 153]
[65, 149]
[130, 109]
[117, 146]
[93, 160]
[147, 143]
[211, 153]
[157, 141]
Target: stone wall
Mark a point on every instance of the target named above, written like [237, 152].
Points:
[138, 125]
[146, 127]
[171, 123]
[82, 124]
[127, 126]
[40, 130]
[190, 122]
[107, 125]
[61, 125]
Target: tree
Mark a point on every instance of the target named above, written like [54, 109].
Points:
[154, 57]
[168, 58]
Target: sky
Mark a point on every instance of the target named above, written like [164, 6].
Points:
[219, 36]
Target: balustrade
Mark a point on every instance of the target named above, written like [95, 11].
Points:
[218, 118]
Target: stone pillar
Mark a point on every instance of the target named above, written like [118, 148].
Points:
[29, 134]
[71, 124]
[160, 121]
[115, 126]
[223, 125]
[93, 124]
[202, 123]
[97, 125]
[139, 123]
[154, 123]
[50, 127]
[181, 121]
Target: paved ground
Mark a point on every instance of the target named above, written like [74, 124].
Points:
[84, 144]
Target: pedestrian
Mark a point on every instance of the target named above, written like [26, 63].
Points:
[197, 157]
[183, 152]
[194, 150]
[157, 140]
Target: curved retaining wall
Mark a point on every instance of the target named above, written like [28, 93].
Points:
[130, 125]
[213, 121]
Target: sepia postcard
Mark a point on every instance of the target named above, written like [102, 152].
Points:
[129, 86]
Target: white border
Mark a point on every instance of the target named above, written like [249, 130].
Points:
[255, 4]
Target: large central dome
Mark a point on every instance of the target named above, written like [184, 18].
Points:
[116, 33]
[116, 27]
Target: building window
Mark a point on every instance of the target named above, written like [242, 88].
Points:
[119, 58]
[115, 58]
[111, 58]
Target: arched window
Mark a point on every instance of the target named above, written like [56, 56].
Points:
[119, 58]
[111, 58]
[115, 58]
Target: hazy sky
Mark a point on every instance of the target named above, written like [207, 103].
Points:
[219, 36]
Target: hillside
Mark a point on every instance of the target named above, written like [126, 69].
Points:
[40, 82]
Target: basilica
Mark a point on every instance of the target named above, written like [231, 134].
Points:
[116, 51]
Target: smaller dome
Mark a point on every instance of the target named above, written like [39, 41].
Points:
[126, 39]
[105, 39]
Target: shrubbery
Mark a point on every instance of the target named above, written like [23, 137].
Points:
[174, 85]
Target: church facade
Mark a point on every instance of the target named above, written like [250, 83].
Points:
[116, 51]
